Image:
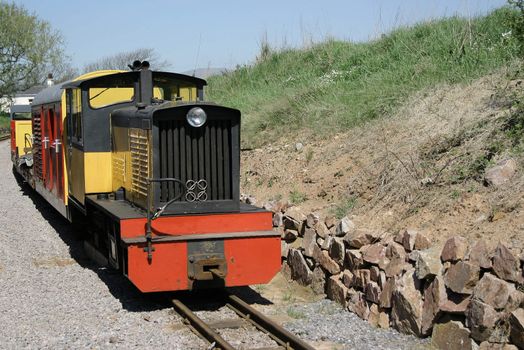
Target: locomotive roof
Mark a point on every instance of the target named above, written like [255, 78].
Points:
[50, 94]
[135, 75]
[20, 108]
[54, 93]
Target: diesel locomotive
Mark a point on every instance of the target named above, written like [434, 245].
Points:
[153, 171]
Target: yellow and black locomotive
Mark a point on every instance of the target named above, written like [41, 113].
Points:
[154, 170]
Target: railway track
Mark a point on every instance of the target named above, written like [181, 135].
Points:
[4, 137]
[247, 316]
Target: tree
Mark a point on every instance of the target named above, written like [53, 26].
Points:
[517, 22]
[122, 59]
[29, 49]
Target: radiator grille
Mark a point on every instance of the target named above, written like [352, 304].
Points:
[189, 153]
[139, 149]
[37, 146]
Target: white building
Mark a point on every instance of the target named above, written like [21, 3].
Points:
[23, 98]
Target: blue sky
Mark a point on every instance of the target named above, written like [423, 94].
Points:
[225, 33]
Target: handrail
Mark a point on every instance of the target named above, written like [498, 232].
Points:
[149, 232]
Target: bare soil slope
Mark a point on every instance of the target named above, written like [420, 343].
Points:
[422, 168]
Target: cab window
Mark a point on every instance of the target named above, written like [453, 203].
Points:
[174, 90]
[75, 106]
[107, 91]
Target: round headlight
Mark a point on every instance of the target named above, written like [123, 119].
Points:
[196, 117]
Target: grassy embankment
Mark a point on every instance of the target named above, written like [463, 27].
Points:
[335, 85]
[4, 124]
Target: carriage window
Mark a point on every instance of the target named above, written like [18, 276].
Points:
[21, 116]
[76, 115]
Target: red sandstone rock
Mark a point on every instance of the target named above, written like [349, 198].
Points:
[374, 273]
[309, 239]
[428, 263]
[322, 258]
[505, 265]
[395, 250]
[485, 345]
[318, 280]
[455, 249]
[354, 259]
[374, 253]
[395, 267]
[277, 219]
[434, 297]
[456, 304]
[387, 293]
[406, 313]
[330, 221]
[373, 292]
[516, 321]
[344, 227]
[337, 251]
[294, 219]
[479, 255]
[451, 335]
[501, 173]
[358, 238]
[358, 304]
[290, 235]
[300, 272]
[462, 277]
[412, 239]
[422, 242]
[348, 278]
[377, 317]
[312, 219]
[493, 291]
[481, 319]
[336, 290]
[362, 277]
[321, 229]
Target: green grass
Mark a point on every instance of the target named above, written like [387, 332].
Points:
[297, 197]
[345, 206]
[335, 85]
[4, 123]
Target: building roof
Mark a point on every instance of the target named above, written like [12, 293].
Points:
[32, 91]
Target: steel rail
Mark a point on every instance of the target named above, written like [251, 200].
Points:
[249, 315]
[265, 324]
[201, 327]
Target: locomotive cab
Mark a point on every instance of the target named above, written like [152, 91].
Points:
[21, 135]
[156, 170]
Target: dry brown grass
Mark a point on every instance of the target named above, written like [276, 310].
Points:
[421, 168]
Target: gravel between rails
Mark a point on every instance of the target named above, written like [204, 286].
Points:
[53, 297]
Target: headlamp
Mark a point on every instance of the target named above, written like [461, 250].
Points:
[196, 117]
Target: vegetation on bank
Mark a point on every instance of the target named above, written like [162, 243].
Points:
[335, 85]
[4, 124]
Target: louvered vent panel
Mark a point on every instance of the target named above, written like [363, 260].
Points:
[189, 153]
[37, 146]
[139, 148]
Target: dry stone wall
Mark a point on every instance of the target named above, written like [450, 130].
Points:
[463, 295]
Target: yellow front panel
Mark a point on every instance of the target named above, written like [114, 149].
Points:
[188, 94]
[121, 159]
[97, 167]
[22, 128]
